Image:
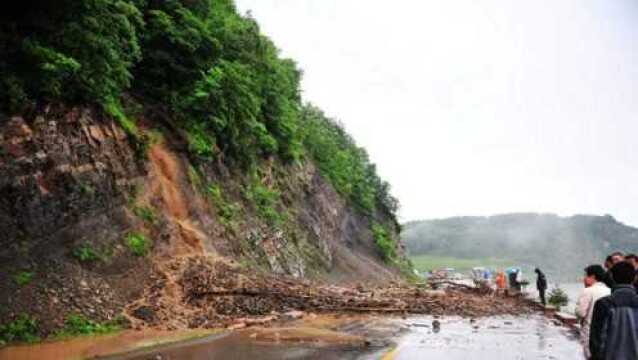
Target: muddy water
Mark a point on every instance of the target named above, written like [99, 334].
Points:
[531, 337]
[90, 347]
[237, 346]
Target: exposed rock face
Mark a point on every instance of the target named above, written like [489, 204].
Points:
[71, 181]
[64, 178]
[58, 171]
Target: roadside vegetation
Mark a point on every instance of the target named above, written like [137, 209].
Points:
[23, 329]
[558, 298]
[76, 325]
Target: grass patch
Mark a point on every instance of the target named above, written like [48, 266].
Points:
[77, 325]
[23, 329]
[23, 277]
[145, 213]
[86, 253]
[138, 243]
[431, 262]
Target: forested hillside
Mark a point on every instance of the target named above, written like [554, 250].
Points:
[563, 246]
[143, 140]
[201, 64]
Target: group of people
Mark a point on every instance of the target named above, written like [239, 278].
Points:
[514, 277]
[607, 308]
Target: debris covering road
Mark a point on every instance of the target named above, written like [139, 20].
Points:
[213, 294]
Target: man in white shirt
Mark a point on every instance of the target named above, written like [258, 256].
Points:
[595, 289]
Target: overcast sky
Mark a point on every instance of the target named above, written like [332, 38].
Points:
[477, 107]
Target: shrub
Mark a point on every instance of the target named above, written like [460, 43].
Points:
[76, 324]
[145, 213]
[265, 201]
[24, 329]
[138, 243]
[225, 210]
[384, 242]
[23, 277]
[558, 298]
[85, 253]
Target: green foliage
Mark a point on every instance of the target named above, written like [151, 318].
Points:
[76, 325]
[384, 242]
[145, 213]
[558, 298]
[264, 200]
[222, 83]
[113, 108]
[200, 141]
[226, 210]
[71, 50]
[345, 165]
[178, 47]
[23, 277]
[22, 329]
[138, 243]
[86, 253]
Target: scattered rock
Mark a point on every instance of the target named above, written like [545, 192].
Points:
[145, 313]
[292, 315]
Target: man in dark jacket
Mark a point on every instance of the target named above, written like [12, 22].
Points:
[541, 284]
[614, 325]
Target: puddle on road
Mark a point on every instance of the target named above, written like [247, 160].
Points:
[533, 337]
[239, 346]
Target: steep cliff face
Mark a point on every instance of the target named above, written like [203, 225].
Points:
[88, 224]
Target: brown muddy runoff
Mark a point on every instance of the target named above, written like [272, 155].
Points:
[333, 337]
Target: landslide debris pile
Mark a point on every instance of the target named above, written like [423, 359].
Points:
[216, 294]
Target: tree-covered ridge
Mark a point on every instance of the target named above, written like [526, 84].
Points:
[222, 82]
[562, 245]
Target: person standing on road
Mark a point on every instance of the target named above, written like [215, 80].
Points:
[610, 261]
[541, 285]
[633, 260]
[595, 289]
[614, 329]
[501, 282]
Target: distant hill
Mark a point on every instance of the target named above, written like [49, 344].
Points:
[561, 245]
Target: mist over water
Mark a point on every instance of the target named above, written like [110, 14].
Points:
[562, 247]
